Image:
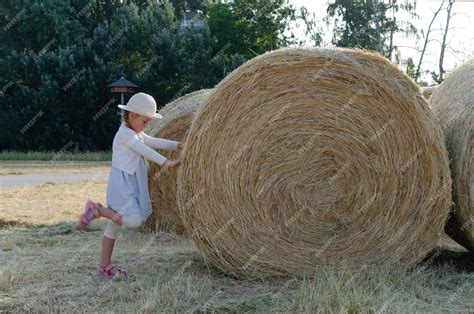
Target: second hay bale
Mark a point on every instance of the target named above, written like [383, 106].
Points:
[453, 103]
[177, 119]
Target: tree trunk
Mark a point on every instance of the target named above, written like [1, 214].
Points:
[392, 29]
[417, 73]
[443, 45]
[377, 26]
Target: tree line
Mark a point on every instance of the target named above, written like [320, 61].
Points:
[58, 56]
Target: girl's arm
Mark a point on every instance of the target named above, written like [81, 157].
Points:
[160, 143]
[137, 146]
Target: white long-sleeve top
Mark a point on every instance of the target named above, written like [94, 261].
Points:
[128, 146]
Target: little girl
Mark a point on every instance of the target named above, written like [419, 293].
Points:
[128, 199]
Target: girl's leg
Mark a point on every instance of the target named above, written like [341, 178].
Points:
[108, 242]
[107, 249]
[96, 210]
[106, 269]
[108, 212]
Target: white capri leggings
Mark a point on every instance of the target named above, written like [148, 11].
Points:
[132, 221]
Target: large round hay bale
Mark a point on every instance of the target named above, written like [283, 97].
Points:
[310, 157]
[453, 104]
[183, 105]
[177, 119]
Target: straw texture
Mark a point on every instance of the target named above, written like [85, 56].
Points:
[453, 104]
[177, 118]
[188, 103]
[310, 157]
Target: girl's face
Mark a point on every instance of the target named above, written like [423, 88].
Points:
[138, 122]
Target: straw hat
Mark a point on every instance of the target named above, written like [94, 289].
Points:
[142, 104]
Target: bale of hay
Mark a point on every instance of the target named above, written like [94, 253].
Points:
[309, 157]
[186, 104]
[453, 104]
[428, 91]
[177, 118]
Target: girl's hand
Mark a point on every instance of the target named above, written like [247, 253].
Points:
[171, 163]
[180, 145]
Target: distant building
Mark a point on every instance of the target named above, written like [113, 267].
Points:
[193, 20]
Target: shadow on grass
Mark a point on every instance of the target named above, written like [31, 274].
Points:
[21, 228]
[460, 261]
[439, 257]
[4, 224]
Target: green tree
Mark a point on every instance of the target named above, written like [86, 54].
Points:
[54, 76]
[224, 25]
[250, 27]
[181, 6]
[312, 30]
[370, 24]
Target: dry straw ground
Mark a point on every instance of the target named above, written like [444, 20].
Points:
[453, 103]
[310, 157]
[47, 265]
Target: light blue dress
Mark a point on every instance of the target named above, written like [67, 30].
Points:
[128, 194]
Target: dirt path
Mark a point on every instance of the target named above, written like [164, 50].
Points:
[34, 173]
[36, 179]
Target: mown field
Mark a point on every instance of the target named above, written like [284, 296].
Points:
[46, 264]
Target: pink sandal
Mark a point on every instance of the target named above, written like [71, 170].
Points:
[91, 212]
[112, 272]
